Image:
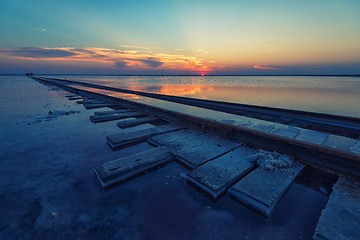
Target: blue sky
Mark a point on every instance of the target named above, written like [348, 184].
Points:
[180, 37]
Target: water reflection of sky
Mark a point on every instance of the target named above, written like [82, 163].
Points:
[335, 95]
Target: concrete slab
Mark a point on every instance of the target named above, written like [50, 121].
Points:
[199, 149]
[92, 101]
[72, 95]
[287, 131]
[113, 112]
[75, 98]
[115, 116]
[301, 123]
[216, 176]
[97, 105]
[262, 127]
[138, 121]
[124, 168]
[313, 137]
[340, 142]
[356, 147]
[341, 217]
[123, 140]
[167, 138]
[262, 188]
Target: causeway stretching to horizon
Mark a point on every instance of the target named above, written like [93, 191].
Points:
[252, 153]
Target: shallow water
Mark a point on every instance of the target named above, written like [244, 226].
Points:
[48, 189]
[333, 95]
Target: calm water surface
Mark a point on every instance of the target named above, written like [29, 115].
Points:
[334, 95]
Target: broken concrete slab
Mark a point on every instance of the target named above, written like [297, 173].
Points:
[262, 188]
[287, 131]
[216, 176]
[113, 112]
[341, 217]
[167, 138]
[340, 142]
[199, 149]
[138, 121]
[124, 168]
[115, 116]
[122, 140]
[313, 136]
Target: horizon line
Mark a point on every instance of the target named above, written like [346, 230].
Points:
[194, 75]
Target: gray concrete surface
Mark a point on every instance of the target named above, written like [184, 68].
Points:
[313, 137]
[116, 116]
[122, 169]
[262, 189]
[137, 121]
[216, 176]
[173, 136]
[122, 140]
[341, 217]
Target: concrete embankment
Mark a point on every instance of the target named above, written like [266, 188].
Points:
[226, 158]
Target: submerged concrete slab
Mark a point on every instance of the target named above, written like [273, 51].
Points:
[262, 188]
[124, 168]
[75, 98]
[356, 147]
[340, 142]
[313, 137]
[113, 112]
[167, 138]
[341, 217]
[92, 101]
[122, 140]
[138, 121]
[287, 131]
[115, 116]
[97, 105]
[199, 149]
[216, 176]
[72, 95]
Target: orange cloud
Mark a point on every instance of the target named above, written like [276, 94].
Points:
[130, 58]
[265, 67]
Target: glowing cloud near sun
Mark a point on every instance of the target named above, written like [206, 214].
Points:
[265, 67]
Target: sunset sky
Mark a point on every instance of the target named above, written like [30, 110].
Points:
[180, 37]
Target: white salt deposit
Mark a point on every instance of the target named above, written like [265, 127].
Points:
[273, 161]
